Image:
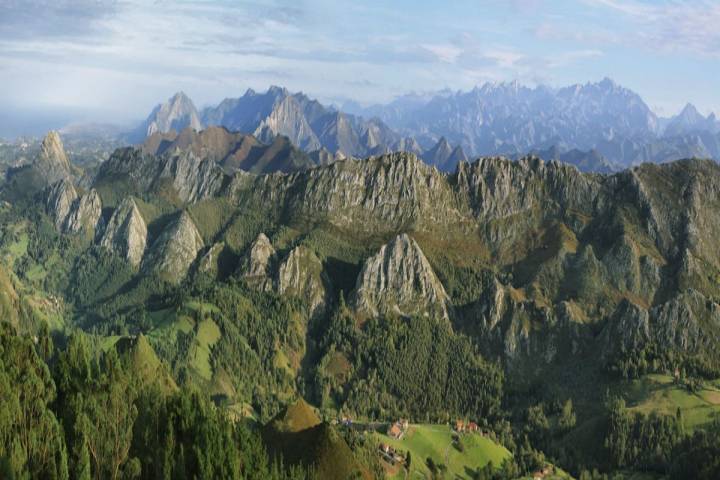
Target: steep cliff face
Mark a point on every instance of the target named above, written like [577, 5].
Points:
[399, 279]
[126, 233]
[175, 250]
[301, 274]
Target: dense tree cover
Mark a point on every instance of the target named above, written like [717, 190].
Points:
[698, 456]
[31, 438]
[96, 419]
[257, 329]
[653, 358]
[414, 367]
[640, 441]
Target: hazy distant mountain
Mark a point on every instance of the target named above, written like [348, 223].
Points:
[689, 120]
[509, 117]
[176, 114]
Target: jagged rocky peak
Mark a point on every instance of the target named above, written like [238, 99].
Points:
[255, 266]
[176, 114]
[399, 279]
[59, 201]
[175, 250]
[301, 274]
[52, 163]
[126, 232]
[86, 214]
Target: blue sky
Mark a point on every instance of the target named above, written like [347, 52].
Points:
[113, 60]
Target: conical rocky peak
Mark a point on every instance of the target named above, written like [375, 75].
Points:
[126, 232]
[52, 162]
[175, 250]
[399, 279]
[255, 265]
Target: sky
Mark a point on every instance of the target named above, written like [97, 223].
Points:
[113, 60]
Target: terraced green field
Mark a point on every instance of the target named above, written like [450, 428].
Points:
[435, 441]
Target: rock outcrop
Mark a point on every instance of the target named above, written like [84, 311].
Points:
[301, 274]
[399, 279]
[126, 233]
[256, 266]
[175, 250]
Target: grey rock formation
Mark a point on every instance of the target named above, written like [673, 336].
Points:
[301, 274]
[175, 250]
[256, 266]
[399, 279]
[126, 233]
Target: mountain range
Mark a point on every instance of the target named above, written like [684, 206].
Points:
[602, 120]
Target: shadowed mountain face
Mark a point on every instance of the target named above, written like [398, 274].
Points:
[231, 150]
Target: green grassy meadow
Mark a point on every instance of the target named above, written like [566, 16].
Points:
[435, 441]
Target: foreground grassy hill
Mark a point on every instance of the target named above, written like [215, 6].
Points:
[298, 436]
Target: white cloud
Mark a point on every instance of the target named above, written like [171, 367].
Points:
[445, 53]
[671, 26]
